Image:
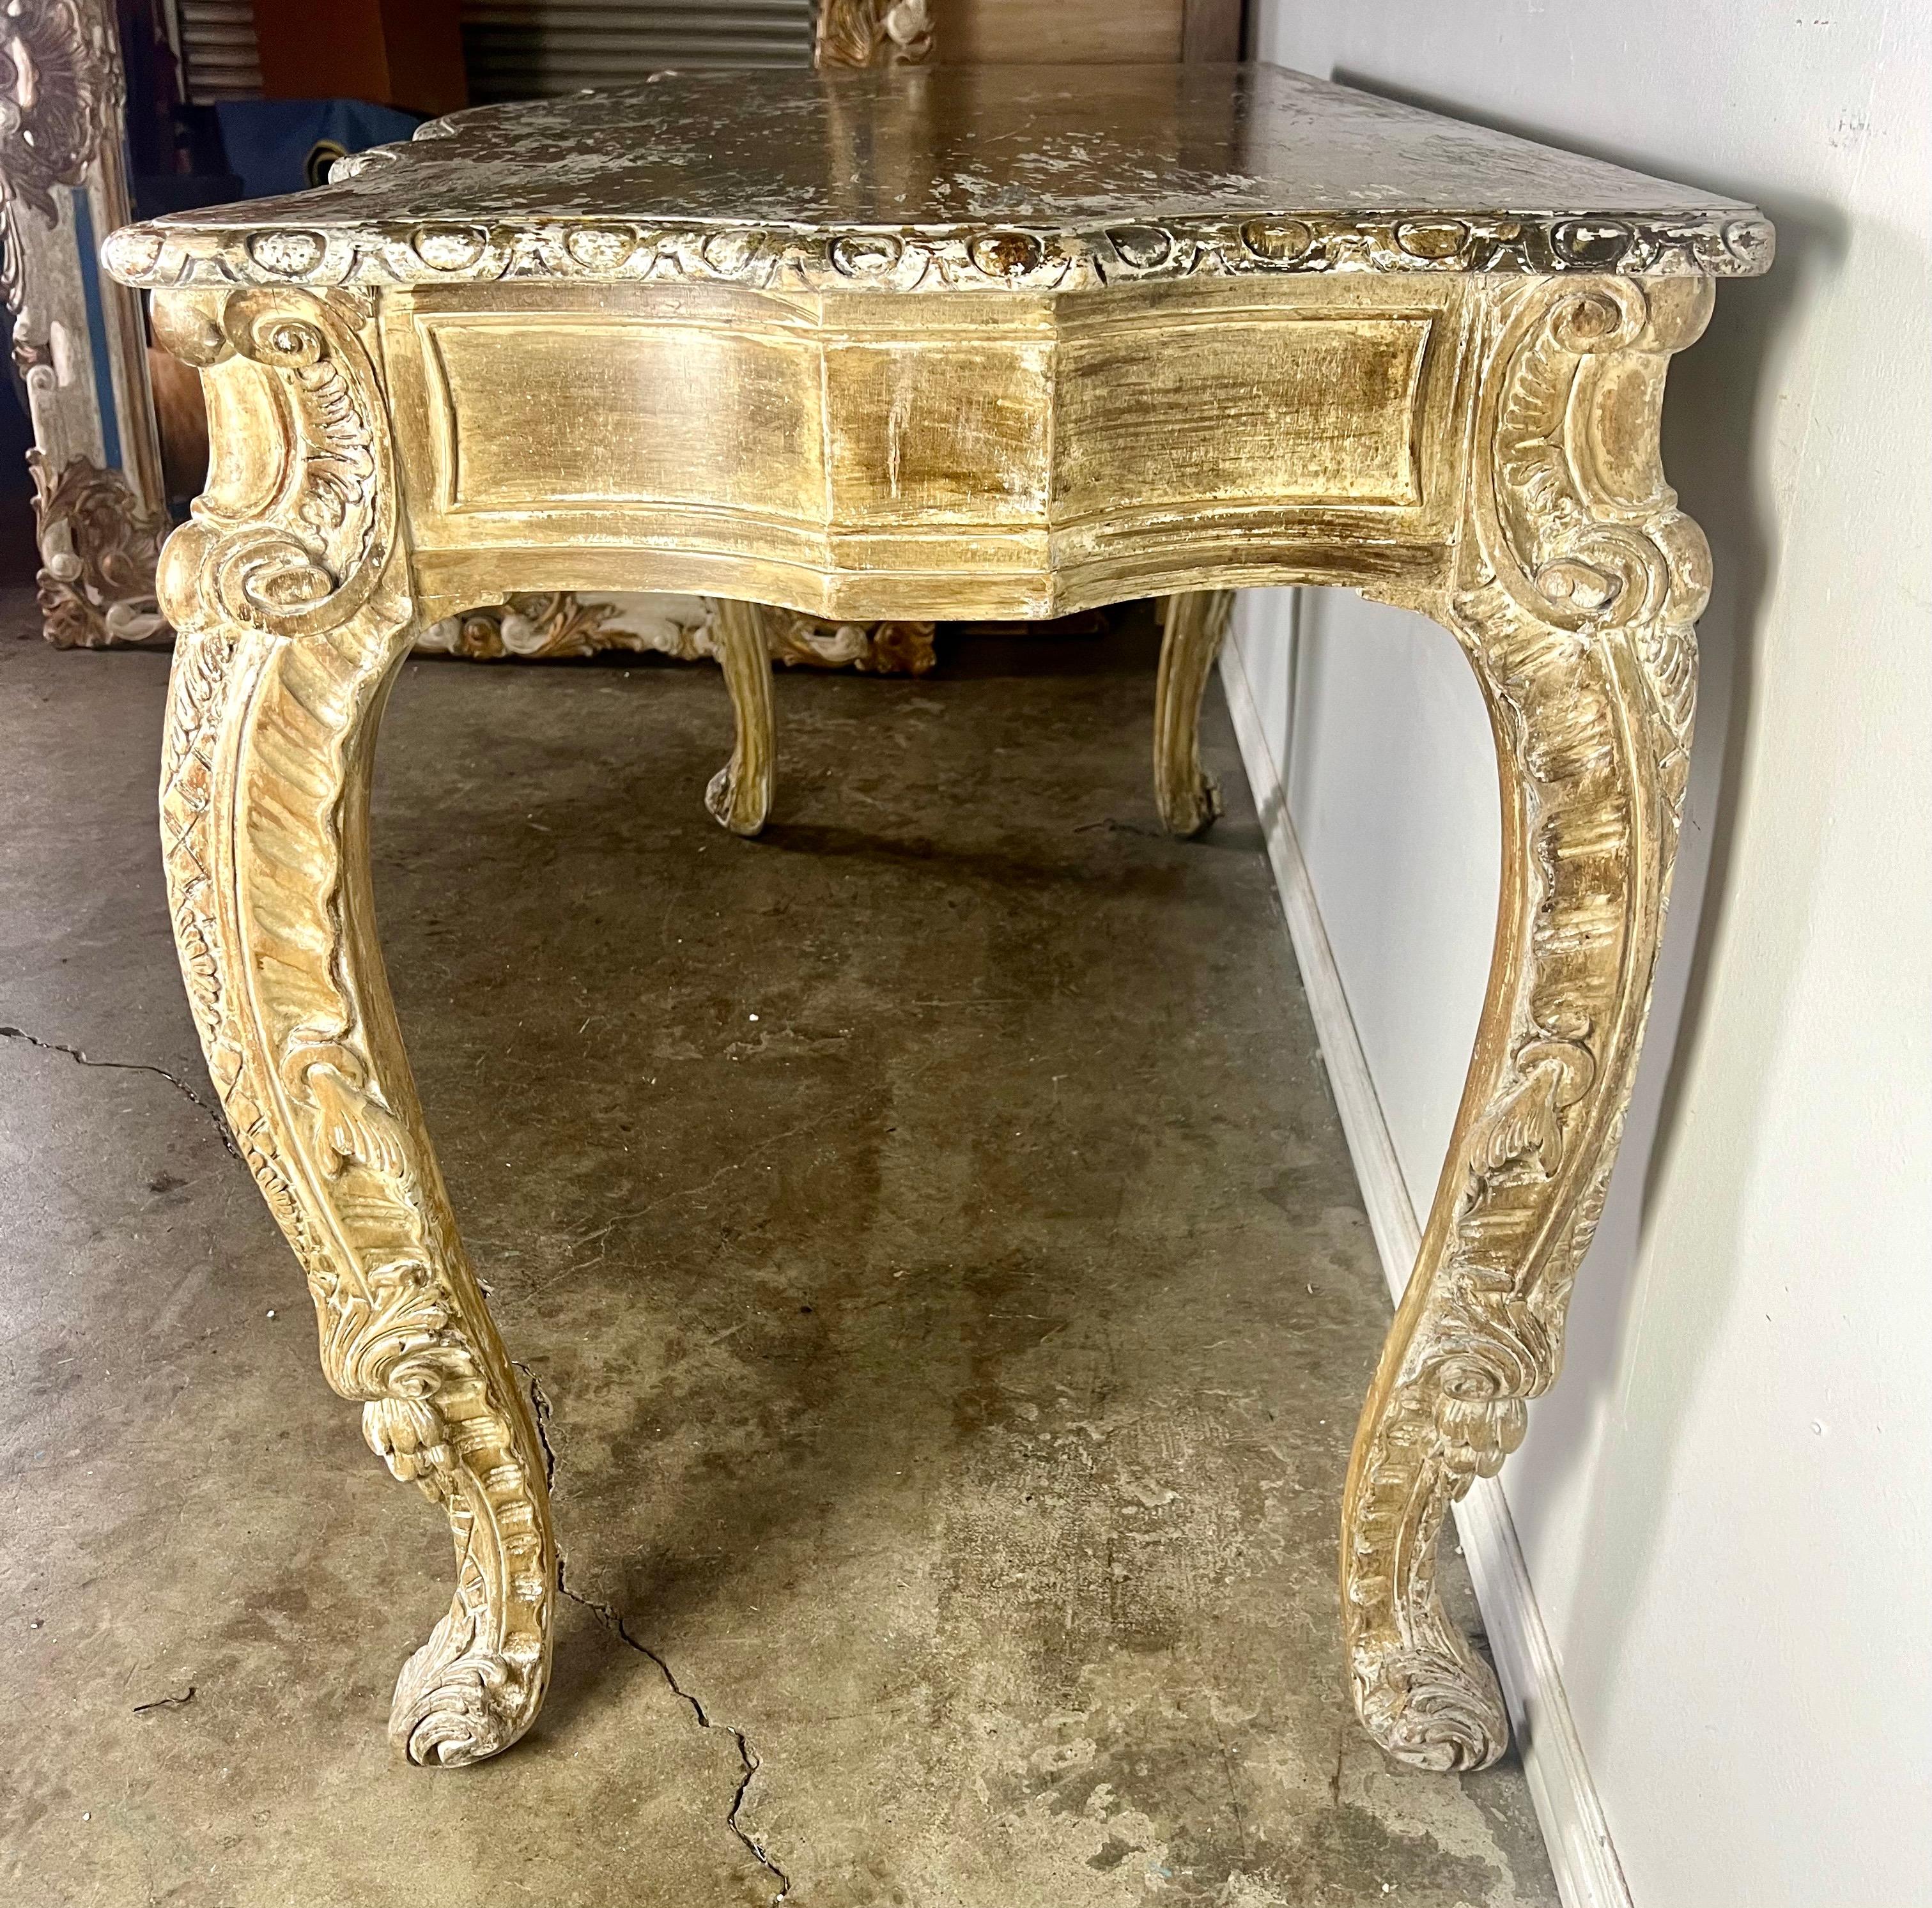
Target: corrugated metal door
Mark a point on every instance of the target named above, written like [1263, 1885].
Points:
[528, 49]
[218, 50]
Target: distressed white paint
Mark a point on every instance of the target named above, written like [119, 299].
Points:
[1727, 1507]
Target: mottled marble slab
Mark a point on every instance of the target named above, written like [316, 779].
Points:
[1036, 177]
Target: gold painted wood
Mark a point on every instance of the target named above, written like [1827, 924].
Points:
[1194, 627]
[289, 592]
[1576, 586]
[1002, 457]
[555, 623]
[545, 624]
[933, 419]
[872, 33]
[740, 794]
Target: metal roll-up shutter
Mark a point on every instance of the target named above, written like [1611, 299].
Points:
[219, 53]
[531, 48]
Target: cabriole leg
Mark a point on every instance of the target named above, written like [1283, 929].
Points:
[1197, 623]
[290, 596]
[740, 794]
[1578, 583]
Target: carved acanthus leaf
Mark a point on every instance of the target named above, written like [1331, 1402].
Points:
[290, 601]
[60, 96]
[1578, 524]
[1524, 1123]
[378, 1332]
[352, 1126]
[410, 1436]
[1577, 583]
[314, 556]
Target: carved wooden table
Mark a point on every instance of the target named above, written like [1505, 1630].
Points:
[949, 343]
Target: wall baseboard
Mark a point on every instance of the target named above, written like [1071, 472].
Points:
[1567, 1807]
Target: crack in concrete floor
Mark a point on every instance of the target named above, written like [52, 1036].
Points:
[83, 1059]
[544, 1413]
[996, 1510]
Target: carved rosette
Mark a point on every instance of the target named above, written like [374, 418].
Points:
[1579, 583]
[290, 600]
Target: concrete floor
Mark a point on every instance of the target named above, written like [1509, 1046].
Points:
[928, 1233]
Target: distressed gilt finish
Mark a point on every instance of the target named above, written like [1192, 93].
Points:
[1109, 391]
[289, 593]
[1193, 628]
[846, 33]
[1576, 586]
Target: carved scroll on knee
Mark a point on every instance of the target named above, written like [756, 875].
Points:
[1577, 584]
[291, 596]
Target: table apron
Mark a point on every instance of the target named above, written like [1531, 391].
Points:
[942, 454]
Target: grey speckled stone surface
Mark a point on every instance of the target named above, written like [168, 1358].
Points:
[1065, 155]
[927, 1227]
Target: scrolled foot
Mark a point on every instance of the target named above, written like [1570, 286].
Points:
[740, 794]
[738, 801]
[1437, 1709]
[459, 1702]
[1190, 811]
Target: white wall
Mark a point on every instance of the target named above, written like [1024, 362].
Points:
[1724, 1506]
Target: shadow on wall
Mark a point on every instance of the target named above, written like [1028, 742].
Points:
[1717, 408]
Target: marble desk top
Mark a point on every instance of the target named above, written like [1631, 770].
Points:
[1005, 178]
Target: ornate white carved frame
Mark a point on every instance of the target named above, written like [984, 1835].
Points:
[79, 341]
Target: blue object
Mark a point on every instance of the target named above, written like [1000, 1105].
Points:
[269, 141]
[97, 330]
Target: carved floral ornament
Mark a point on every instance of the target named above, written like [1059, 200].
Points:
[98, 549]
[60, 98]
[982, 258]
[545, 624]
